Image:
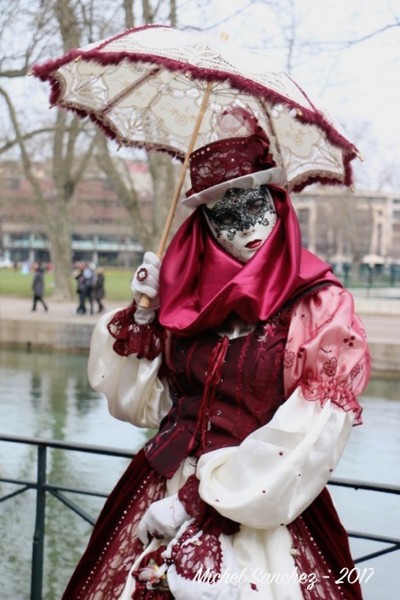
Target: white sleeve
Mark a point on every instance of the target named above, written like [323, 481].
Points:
[276, 472]
[132, 387]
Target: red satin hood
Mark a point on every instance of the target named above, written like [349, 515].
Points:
[201, 284]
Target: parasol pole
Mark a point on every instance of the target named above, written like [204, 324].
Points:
[145, 301]
[178, 188]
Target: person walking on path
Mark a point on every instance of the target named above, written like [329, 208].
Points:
[85, 279]
[99, 290]
[88, 281]
[38, 288]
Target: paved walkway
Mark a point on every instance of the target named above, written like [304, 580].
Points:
[383, 328]
[21, 309]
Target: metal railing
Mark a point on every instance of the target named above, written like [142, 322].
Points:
[43, 487]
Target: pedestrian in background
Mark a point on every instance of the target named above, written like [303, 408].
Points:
[85, 281]
[80, 289]
[99, 289]
[38, 287]
[88, 283]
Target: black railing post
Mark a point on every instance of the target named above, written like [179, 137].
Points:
[38, 535]
[60, 492]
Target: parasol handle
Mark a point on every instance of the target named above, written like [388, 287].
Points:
[145, 300]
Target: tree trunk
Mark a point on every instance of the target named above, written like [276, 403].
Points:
[164, 179]
[128, 12]
[59, 235]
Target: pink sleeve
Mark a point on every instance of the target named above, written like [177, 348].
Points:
[326, 352]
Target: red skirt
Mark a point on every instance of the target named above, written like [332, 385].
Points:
[320, 539]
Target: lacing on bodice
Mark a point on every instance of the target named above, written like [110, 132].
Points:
[222, 390]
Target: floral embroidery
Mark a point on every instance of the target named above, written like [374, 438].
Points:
[356, 370]
[325, 390]
[288, 359]
[194, 549]
[329, 367]
[269, 328]
[206, 516]
[329, 361]
[309, 559]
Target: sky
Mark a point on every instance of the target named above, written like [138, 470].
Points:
[359, 86]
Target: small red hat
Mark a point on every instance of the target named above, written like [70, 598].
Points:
[234, 162]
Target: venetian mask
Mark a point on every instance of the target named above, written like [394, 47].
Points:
[242, 220]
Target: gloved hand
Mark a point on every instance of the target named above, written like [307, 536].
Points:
[146, 282]
[162, 519]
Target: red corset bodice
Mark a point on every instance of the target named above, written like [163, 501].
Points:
[222, 390]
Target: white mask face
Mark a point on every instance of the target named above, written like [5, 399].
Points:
[242, 220]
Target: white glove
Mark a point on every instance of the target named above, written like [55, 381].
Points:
[162, 519]
[146, 282]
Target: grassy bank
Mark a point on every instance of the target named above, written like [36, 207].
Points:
[15, 283]
[117, 283]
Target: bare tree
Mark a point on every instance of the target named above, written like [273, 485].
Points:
[50, 28]
[162, 170]
[47, 28]
[66, 142]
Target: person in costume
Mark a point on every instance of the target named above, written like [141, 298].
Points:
[248, 362]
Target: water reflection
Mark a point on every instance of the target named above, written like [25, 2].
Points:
[383, 388]
[48, 396]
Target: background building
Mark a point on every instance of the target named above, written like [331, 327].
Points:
[103, 231]
[343, 227]
[352, 229]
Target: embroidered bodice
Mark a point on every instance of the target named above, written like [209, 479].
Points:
[222, 389]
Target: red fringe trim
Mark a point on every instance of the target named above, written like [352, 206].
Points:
[47, 72]
[130, 338]
[300, 182]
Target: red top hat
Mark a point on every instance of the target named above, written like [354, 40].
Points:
[236, 162]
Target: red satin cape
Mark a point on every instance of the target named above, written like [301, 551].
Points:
[201, 284]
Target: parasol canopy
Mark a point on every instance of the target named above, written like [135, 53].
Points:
[146, 86]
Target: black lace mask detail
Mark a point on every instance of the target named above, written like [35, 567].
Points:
[239, 209]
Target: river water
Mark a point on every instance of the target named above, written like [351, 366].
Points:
[48, 396]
